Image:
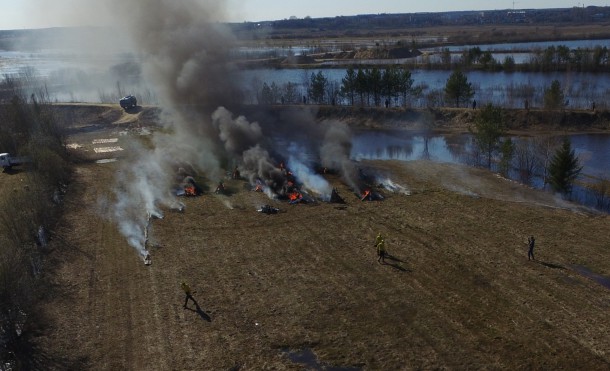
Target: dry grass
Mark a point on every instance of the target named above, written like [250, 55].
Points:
[458, 294]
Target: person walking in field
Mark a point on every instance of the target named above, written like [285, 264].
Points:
[530, 243]
[378, 239]
[187, 291]
[381, 251]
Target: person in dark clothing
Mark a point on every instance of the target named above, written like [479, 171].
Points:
[530, 243]
[187, 291]
[474, 104]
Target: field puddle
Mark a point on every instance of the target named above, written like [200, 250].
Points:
[310, 361]
[584, 271]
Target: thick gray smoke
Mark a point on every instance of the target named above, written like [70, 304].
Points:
[238, 135]
[335, 153]
[185, 54]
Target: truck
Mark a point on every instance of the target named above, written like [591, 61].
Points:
[128, 102]
[7, 161]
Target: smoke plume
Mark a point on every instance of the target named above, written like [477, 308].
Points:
[335, 153]
[184, 52]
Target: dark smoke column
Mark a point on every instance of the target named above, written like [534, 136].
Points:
[185, 50]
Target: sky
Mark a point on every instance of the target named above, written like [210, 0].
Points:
[19, 14]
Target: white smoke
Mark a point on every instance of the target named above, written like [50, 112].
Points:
[310, 180]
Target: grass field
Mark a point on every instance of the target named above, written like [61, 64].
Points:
[457, 293]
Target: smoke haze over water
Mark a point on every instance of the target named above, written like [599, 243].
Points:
[184, 53]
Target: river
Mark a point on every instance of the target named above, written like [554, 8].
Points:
[593, 151]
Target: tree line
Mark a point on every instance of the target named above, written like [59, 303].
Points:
[549, 158]
[391, 87]
[28, 213]
[549, 59]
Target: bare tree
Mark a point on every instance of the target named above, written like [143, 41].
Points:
[601, 192]
[545, 147]
[526, 161]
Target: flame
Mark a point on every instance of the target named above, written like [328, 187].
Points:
[365, 194]
[190, 191]
[293, 196]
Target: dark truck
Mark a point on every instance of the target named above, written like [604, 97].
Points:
[128, 102]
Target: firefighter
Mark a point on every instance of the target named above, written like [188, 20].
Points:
[220, 188]
[378, 239]
[381, 251]
[187, 291]
[236, 174]
[530, 243]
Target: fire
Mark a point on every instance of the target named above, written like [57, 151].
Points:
[190, 191]
[295, 197]
[366, 195]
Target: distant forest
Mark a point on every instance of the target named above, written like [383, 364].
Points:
[352, 26]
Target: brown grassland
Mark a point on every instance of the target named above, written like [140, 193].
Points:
[457, 292]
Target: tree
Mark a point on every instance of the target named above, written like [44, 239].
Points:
[553, 96]
[374, 83]
[361, 85]
[390, 82]
[318, 87]
[405, 85]
[291, 95]
[564, 168]
[348, 85]
[446, 57]
[488, 130]
[458, 88]
[266, 94]
[507, 149]
[526, 160]
[545, 147]
[509, 64]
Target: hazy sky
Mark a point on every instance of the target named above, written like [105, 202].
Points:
[17, 14]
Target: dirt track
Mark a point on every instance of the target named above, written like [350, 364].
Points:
[458, 294]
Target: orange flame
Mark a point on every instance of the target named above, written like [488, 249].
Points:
[365, 194]
[190, 191]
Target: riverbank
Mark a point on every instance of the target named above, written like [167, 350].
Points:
[518, 121]
[440, 120]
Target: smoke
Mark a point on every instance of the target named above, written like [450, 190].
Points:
[335, 153]
[237, 135]
[184, 53]
[310, 180]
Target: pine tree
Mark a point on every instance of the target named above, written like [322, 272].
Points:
[564, 168]
[458, 88]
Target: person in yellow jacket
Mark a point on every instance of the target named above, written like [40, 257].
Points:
[187, 290]
[381, 251]
[378, 239]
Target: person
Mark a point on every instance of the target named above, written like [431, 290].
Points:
[527, 105]
[474, 104]
[593, 106]
[378, 239]
[187, 291]
[530, 253]
[381, 251]
[220, 188]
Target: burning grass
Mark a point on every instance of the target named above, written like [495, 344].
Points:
[307, 278]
